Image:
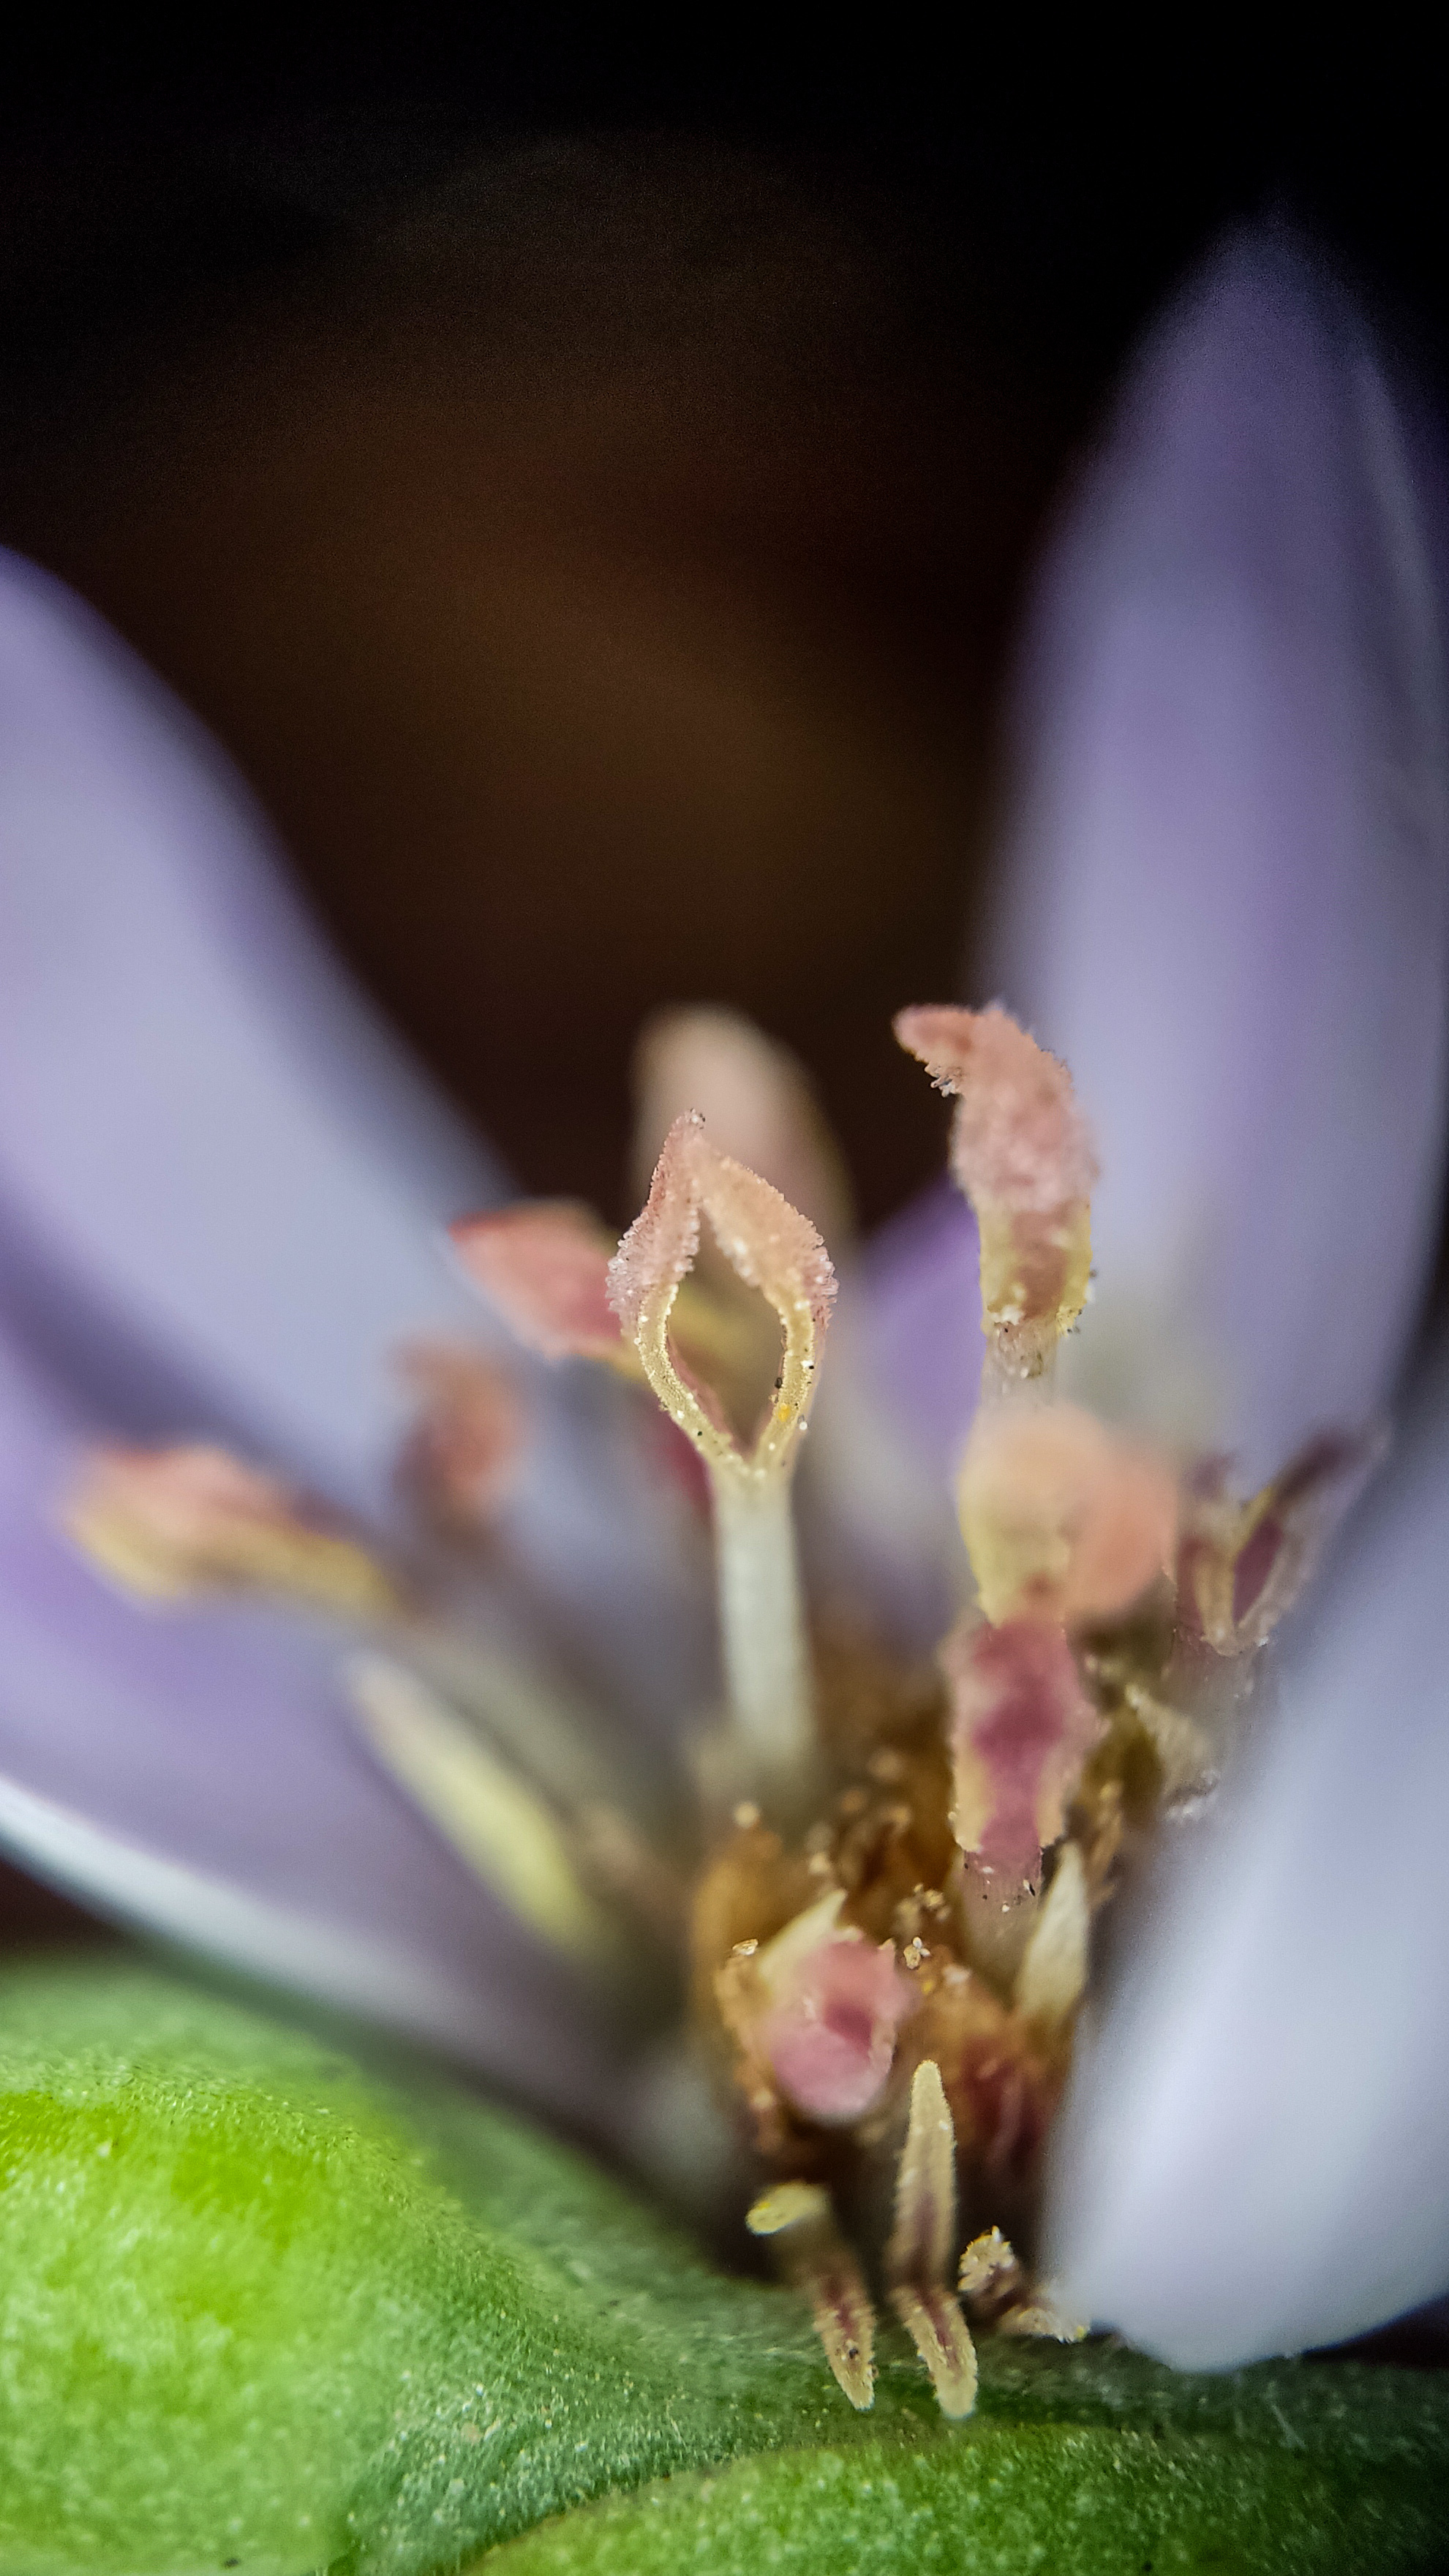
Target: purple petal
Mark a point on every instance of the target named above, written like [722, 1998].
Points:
[222, 1183]
[218, 1173]
[197, 1771]
[922, 1285]
[221, 1186]
[1227, 879]
[1255, 2155]
[896, 1397]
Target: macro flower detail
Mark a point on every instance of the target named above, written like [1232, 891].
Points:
[921, 2246]
[1021, 1728]
[1021, 1152]
[1062, 1520]
[821, 2007]
[545, 1266]
[896, 1934]
[170, 1522]
[379, 1657]
[775, 1250]
[468, 1434]
[797, 2221]
[886, 1886]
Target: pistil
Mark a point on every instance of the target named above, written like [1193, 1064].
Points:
[774, 1249]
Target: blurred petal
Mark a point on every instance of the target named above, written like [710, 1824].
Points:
[222, 1183]
[1227, 880]
[921, 1277]
[218, 1172]
[1255, 2154]
[197, 1771]
[757, 1101]
[891, 1418]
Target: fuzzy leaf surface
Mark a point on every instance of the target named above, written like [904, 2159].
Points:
[265, 2309]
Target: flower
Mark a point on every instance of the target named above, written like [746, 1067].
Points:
[220, 1193]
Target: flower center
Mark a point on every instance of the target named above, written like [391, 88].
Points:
[877, 1883]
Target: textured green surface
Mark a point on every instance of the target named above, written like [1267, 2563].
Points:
[258, 2309]
[1073, 2502]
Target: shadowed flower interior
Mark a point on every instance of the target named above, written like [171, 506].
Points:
[869, 1888]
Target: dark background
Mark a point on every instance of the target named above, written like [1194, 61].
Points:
[588, 474]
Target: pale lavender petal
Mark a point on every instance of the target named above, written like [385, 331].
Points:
[894, 1405]
[604, 1556]
[222, 1183]
[1227, 878]
[922, 1292]
[218, 1173]
[197, 1771]
[1255, 2155]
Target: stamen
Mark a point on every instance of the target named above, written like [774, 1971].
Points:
[923, 2241]
[996, 2289]
[814, 2257]
[831, 2006]
[776, 1250]
[1042, 2316]
[465, 1445]
[623, 1862]
[1053, 1971]
[545, 1266]
[539, 1725]
[530, 1727]
[501, 1827]
[988, 2267]
[1090, 1570]
[1022, 1728]
[169, 1524]
[1244, 1564]
[1184, 1750]
[1062, 1519]
[1022, 1152]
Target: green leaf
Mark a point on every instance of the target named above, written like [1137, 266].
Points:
[262, 2309]
[999, 2500]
